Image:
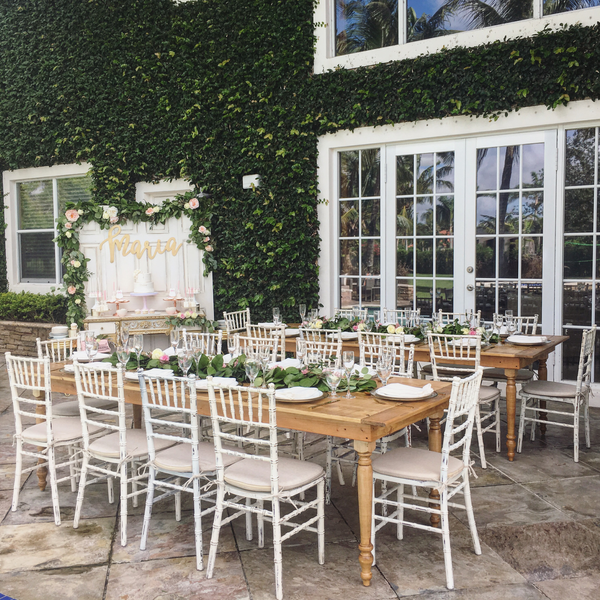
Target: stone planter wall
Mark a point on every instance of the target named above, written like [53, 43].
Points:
[19, 338]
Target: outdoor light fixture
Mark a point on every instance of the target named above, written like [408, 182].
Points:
[249, 181]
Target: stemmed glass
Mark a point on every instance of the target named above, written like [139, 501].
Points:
[301, 351]
[138, 346]
[264, 356]
[174, 338]
[124, 333]
[302, 311]
[233, 345]
[184, 359]
[276, 316]
[384, 369]
[123, 355]
[333, 376]
[313, 315]
[348, 362]
[252, 367]
[91, 347]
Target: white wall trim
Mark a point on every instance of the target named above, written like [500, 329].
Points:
[325, 35]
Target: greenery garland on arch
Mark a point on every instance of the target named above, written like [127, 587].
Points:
[193, 204]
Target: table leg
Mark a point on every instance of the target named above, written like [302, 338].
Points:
[364, 479]
[42, 472]
[511, 410]
[543, 375]
[435, 445]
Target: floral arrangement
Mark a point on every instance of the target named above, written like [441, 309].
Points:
[456, 328]
[193, 204]
[342, 323]
[191, 319]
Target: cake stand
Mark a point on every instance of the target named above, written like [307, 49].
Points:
[119, 301]
[143, 295]
[174, 300]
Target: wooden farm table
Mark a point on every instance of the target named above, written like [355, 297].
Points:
[363, 419]
[509, 357]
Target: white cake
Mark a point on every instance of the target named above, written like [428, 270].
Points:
[143, 284]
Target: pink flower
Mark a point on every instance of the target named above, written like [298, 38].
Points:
[182, 316]
[206, 239]
[164, 358]
[355, 327]
[71, 289]
[72, 263]
[304, 371]
[202, 229]
[149, 211]
[72, 215]
[68, 225]
[114, 219]
[209, 248]
[194, 203]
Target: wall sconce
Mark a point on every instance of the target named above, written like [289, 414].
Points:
[248, 181]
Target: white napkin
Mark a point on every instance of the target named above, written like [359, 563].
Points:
[349, 335]
[399, 390]
[270, 325]
[95, 365]
[465, 342]
[298, 393]
[159, 372]
[202, 384]
[527, 339]
[291, 332]
[284, 364]
[82, 356]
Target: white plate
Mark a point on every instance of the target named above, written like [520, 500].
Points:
[408, 338]
[298, 394]
[202, 384]
[83, 357]
[165, 373]
[291, 332]
[349, 335]
[399, 391]
[270, 325]
[527, 340]
[465, 342]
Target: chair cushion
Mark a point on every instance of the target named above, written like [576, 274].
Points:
[498, 374]
[551, 389]
[71, 409]
[179, 458]
[487, 393]
[136, 445]
[63, 430]
[415, 463]
[447, 370]
[255, 475]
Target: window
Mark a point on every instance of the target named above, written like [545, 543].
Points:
[362, 25]
[581, 263]
[38, 205]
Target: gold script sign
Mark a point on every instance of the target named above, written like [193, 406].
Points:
[137, 248]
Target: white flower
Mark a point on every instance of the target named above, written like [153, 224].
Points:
[480, 330]
[186, 205]
[360, 327]
[77, 301]
[80, 211]
[391, 329]
[439, 329]
[157, 353]
[156, 209]
[318, 324]
[399, 330]
[68, 234]
[105, 215]
[76, 264]
[113, 211]
[194, 315]
[465, 331]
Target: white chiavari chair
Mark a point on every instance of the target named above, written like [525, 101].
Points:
[236, 320]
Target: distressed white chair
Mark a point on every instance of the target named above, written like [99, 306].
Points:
[350, 313]
[236, 320]
[446, 318]
[120, 451]
[211, 342]
[273, 335]
[189, 459]
[243, 487]
[32, 375]
[370, 345]
[446, 474]
[61, 351]
[318, 352]
[399, 315]
[320, 335]
[459, 356]
[525, 326]
[576, 396]
[250, 343]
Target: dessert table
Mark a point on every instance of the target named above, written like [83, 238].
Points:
[364, 419]
[510, 357]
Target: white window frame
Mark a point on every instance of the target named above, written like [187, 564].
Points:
[10, 180]
[325, 59]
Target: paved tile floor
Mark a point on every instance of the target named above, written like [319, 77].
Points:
[538, 520]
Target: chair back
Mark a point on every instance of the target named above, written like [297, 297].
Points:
[239, 416]
[56, 350]
[462, 407]
[370, 345]
[320, 335]
[236, 321]
[30, 375]
[162, 399]
[102, 383]
[446, 318]
[453, 355]
[319, 352]
[524, 325]
[351, 313]
[252, 344]
[210, 343]
[272, 335]
[586, 363]
[404, 317]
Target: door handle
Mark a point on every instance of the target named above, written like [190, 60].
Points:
[470, 288]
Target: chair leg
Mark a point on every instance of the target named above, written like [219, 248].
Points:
[111, 489]
[321, 521]
[198, 526]
[53, 485]
[248, 521]
[214, 539]
[134, 484]
[18, 467]
[498, 430]
[260, 523]
[148, 510]
[373, 525]
[400, 498]
[480, 440]
[277, 550]
[536, 413]
[72, 467]
[123, 503]
[178, 502]
[446, 541]
[471, 517]
[81, 492]
[328, 460]
[576, 433]
[586, 422]
[521, 425]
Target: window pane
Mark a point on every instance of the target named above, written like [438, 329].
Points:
[577, 304]
[552, 7]
[570, 354]
[444, 172]
[509, 167]
[370, 257]
[425, 297]
[370, 172]
[533, 165]
[508, 297]
[36, 206]
[74, 189]
[404, 257]
[486, 213]
[425, 173]
[533, 212]
[508, 213]
[37, 256]
[531, 258]
[425, 216]
[404, 216]
[370, 217]
[578, 257]
[405, 175]
[349, 174]
[485, 299]
[349, 257]
[349, 288]
[349, 219]
[444, 258]
[531, 301]
[508, 252]
[579, 211]
[364, 25]
[485, 258]
[580, 157]
[424, 257]
[444, 215]
[371, 291]
[404, 293]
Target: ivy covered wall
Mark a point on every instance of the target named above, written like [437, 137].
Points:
[211, 90]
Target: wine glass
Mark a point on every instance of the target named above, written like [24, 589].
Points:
[91, 347]
[276, 316]
[124, 333]
[252, 367]
[123, 355]
[174, 338]
[511, 326]
[184, 359]
[264, 357]
[313, 315]
[302, 311]
[301, 350]
[348, 362]
[333, 376]
[233, 345]
[384, 370]
[138, 346]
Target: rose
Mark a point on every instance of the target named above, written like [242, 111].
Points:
[304, 371]
[209, 248]
[105, 215]
[75, 263]
[318, 324]
[186, 205]
[194, 203]
[72, 215]
[202, 229]
[391, 329]
[71, 289]
[206, 239]
[156, 209]
[114, 219]
[465, 331]
[399, 330]
[157, 353]
[68, 225]
[439, 329]
[113, 211]
[360, 327]
[80, 212]
[149, 211]
[194, 315]
[68, 234]
[182, 316]
[164, 358]
[480, 330]
[77, 301]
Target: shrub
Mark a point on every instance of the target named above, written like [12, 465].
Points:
[26, 306]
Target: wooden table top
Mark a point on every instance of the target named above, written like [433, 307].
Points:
[363, 417]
